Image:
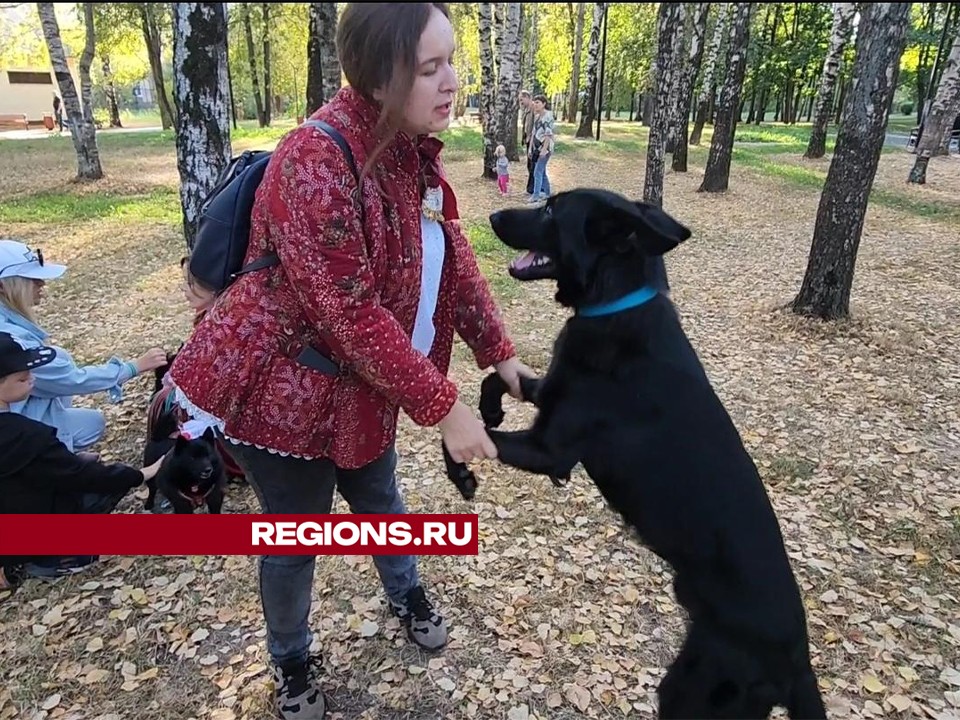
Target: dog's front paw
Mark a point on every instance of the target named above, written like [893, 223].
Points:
[559, 481]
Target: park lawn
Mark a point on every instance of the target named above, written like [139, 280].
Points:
[854, 426]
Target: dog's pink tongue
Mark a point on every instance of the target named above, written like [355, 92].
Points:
[523, 262]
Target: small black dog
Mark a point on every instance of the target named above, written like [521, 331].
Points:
[626, 396]
[192, 472]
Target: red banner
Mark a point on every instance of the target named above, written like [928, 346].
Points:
[204, 534]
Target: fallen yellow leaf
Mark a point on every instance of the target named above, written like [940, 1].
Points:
[871, 683]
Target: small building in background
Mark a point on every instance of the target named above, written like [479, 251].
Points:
[29, 90]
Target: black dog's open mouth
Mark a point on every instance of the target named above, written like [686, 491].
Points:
[531, 266]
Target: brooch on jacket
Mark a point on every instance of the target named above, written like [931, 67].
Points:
[432, 204]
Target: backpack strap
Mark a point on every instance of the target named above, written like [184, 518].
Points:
[273, 259]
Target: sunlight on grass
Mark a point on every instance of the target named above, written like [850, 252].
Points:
[162, 204]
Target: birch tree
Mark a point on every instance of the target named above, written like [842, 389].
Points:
[82, 130]
[488, 89]
[940, 119]
[716, 176]
[267, 80]
[577, 25]
[252, 59]
[839, 36]
[588, 109]
[881, 36]
[323, 65]
[200, 93]
[151, 16]
[669, 30]
[685, 86]
[508, 82]
[705, 98]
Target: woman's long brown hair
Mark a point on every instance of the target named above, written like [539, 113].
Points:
[377, 46]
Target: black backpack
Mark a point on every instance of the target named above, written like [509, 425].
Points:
[223, 231]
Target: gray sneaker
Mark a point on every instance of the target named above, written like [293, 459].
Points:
[425, 626]
[297, 690]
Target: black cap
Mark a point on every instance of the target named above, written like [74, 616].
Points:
[14, 358]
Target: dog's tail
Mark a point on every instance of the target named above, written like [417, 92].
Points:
[805, 702]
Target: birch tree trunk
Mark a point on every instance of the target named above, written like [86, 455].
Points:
[881, 36]
[716, 176]
[678, 61]
[252, 59]
[530, 56]
[508, 85]
[839, 36]
[669, 30]
[588, 109]
[86, 60]
[685, 86]
[942, 115]
[82, 131]
[488, 90]
[200, 87]
[323, 65]
[267, 83]
[151, 38]
[705, 97]
[111, 92]
[575, 75]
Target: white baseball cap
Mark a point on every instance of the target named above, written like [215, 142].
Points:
[17, 260]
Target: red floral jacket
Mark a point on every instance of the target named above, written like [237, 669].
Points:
[346, 288]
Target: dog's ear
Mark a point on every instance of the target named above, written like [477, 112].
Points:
[209, 436]
[657, 232]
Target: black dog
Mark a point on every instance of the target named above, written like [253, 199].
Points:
[192, 472]
[626, 396]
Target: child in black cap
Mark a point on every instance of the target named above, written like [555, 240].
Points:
[39, 474]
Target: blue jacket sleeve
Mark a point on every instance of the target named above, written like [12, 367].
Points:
[63, 377]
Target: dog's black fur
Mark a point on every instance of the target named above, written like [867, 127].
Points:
[192, 472]
[626, 396]
[492, 390]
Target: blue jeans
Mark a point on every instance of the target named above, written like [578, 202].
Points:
[287, 485]
[541, 183]
[84, 427]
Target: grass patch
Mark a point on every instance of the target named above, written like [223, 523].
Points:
[162, 204]
[492, 257]
[813, 179]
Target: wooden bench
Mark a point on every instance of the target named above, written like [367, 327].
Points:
[17, 120]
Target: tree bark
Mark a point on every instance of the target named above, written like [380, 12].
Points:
[488, 90]
[668, 31]
[508, 85]
[151, 38]
[200, 82]
[588, 109]
[267, 82]
[943, 114]
[881, 36]
[575, 75]
[678, 62]
[323, 65]
[252, 59]
[694, 58]
[82, 130]
[707, 83]
[111, 92]
[716, 177]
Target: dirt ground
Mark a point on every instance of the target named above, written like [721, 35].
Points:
[855, 427]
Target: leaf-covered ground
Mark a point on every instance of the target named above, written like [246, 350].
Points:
[855, 427]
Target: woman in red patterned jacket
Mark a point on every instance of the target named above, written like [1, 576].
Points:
[376, 281]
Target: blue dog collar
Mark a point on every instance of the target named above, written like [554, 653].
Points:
[631, 300]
